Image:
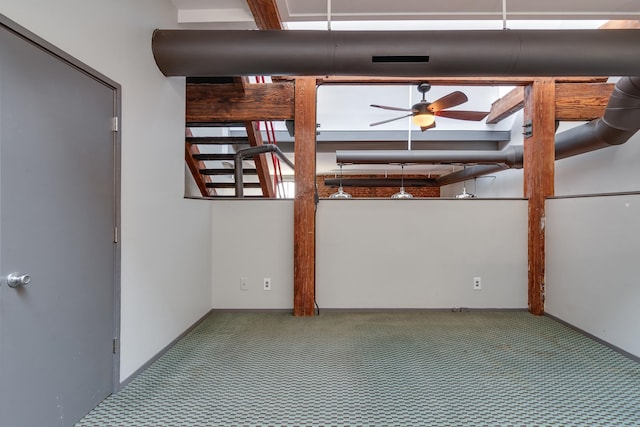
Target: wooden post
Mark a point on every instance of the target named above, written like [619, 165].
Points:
[539, 158]
[304, 208]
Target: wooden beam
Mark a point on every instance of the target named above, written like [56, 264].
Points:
[539, 157]
[261, 161]
[579, 102]
[241, 83]
[211, 103]
[195, 166]
[507, 105]
[304, 216]
[574, 102]
[265, 13]
[620, 25]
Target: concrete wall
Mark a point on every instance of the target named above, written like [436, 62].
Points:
[375, 253]
[166, 240]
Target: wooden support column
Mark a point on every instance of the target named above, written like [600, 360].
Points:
[539, 158]
[304, 207]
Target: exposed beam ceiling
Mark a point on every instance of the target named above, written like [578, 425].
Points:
[573, 102]
[265, 13]
[224, 103]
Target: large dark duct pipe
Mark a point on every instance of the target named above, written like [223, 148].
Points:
[398, 53]
[621, 120]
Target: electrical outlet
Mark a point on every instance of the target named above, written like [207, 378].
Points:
[244, 283]
[267, 284]
[477, 283]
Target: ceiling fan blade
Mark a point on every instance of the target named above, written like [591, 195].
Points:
[431, 126]
[384, 107]
[448, 101]
[390, 120]
[475, 116]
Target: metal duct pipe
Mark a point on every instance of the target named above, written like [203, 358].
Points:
[397, 53]
[250, 152]
[510, 156]
[469, 172]
[621, 120]
[380, 182]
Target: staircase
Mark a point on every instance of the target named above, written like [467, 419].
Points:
[215, 166]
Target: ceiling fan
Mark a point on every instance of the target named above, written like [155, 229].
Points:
[424, 112]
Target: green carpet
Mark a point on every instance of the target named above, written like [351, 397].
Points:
[405, 368]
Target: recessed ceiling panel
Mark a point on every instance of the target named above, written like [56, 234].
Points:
[310, 10]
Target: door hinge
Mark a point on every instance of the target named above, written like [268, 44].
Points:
[115, 235]
[116, 346]
[114, 124]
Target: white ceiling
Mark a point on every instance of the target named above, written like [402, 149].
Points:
[346, 108]
[225, 11]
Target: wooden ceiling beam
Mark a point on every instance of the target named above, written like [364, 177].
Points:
[574, 102]
[241, 83]
[620, 25]
[579, 102]
[507, 105]
[266, 14]
[215, 103]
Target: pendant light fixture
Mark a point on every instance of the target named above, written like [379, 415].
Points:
[402, 194]
[340, 194]
[464, 194]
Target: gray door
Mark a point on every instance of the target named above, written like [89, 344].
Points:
[56, 225]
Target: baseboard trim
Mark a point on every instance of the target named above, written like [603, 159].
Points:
[371, 310]
[414, 309]
[252, 310]
[159, 354]
[595, 338]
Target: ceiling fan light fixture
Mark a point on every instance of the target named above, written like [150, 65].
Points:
[424, 120]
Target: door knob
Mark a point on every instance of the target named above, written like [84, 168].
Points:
[16, 279]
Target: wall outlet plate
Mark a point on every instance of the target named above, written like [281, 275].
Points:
[477, 283]
[244, 283]
[266, 284]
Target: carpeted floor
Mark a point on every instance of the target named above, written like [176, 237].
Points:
[406, 368]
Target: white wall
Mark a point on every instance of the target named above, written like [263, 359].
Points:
[609, 170]
[421, 253]
[593, 248]
[506, 183]
[165, 239]
[375, 253]
[252, 239]
[612, 169]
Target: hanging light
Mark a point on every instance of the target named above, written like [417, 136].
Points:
[464, 194]
[402, 194]
[340, 194]
[423, 120]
